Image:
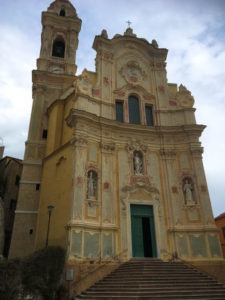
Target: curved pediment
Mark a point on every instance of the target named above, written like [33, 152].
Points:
[129, 88]
[140, 187]
[139, 192]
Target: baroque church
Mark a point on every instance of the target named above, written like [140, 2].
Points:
[115, 153]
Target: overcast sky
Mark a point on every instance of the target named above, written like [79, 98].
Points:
[193, 31]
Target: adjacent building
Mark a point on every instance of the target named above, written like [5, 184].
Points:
[10, 173]
[220, 223]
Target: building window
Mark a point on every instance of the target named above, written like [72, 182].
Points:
[44, 133]
[37, 186]
[119, 111]
[134, 110]
[58, 48]
[17, 181]
[149, 115]
[12, 205]
[223, 230]
[62, 13]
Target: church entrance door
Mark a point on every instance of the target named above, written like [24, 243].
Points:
[143, 231]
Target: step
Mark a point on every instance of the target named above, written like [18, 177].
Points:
[154, 279]
[162, 285]
[152, 298]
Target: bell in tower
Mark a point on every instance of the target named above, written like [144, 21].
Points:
[59, 40]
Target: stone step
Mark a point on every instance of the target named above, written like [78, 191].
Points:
[152, 298]
[155, 285]
[166, 295]
[154, 279]
[157, 276]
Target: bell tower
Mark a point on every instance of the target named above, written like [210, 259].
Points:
[55, 73]
[59, 39]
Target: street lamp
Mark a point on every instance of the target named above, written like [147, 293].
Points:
[50, 209]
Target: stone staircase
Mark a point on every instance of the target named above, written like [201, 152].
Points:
[154, 279]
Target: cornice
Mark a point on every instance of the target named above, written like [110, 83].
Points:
[99, 41]
[50, 79]
[49, 18]
[76, 115]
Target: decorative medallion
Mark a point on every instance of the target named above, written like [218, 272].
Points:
[133, 73]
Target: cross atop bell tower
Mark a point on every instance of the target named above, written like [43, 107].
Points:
[59, 39]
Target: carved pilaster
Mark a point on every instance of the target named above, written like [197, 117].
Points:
[79, 142]
[197, 152]
[38, 91]
[105, 55]
[167, 153]
[107, 147]
[158, 66]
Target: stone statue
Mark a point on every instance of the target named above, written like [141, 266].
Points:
[137, 164]
[187, 188]
[91, 185]
[155, 44]
[104, 34]
[2, 231]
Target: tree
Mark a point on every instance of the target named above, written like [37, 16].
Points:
[42, 272]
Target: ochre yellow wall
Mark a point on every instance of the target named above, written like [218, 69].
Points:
[55, 190]
[66, 130]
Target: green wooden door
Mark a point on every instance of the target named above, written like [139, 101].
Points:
[143, 231]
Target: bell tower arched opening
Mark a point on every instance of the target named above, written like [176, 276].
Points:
[58, 49]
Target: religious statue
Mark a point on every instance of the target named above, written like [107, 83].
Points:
[138, 168]
[91, 185]
[188, 192]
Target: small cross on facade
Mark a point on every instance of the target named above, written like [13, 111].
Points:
[129, 23]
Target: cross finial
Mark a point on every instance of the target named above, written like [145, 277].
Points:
[129, 23]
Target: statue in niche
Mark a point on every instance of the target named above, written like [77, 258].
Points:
[188, 192]
[92, 185]
[138, 163]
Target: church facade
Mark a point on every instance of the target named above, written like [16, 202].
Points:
[115, 151]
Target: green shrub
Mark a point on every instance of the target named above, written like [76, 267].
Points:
[42, 272]
[10, 279]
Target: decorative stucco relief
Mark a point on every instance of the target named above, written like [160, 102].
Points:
[127, 191]
[105, 55]
[137, 145]
[128, 88]
[84, 85]
[79, 142]
[184, 97]
[133, 73]
[107, 147]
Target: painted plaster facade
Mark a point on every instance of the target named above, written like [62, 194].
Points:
[220, 223]
[85, 159]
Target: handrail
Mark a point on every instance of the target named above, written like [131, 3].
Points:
[112, 258]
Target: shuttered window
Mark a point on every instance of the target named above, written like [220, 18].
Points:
[149, 115]
[134, 110]
[119, 111]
